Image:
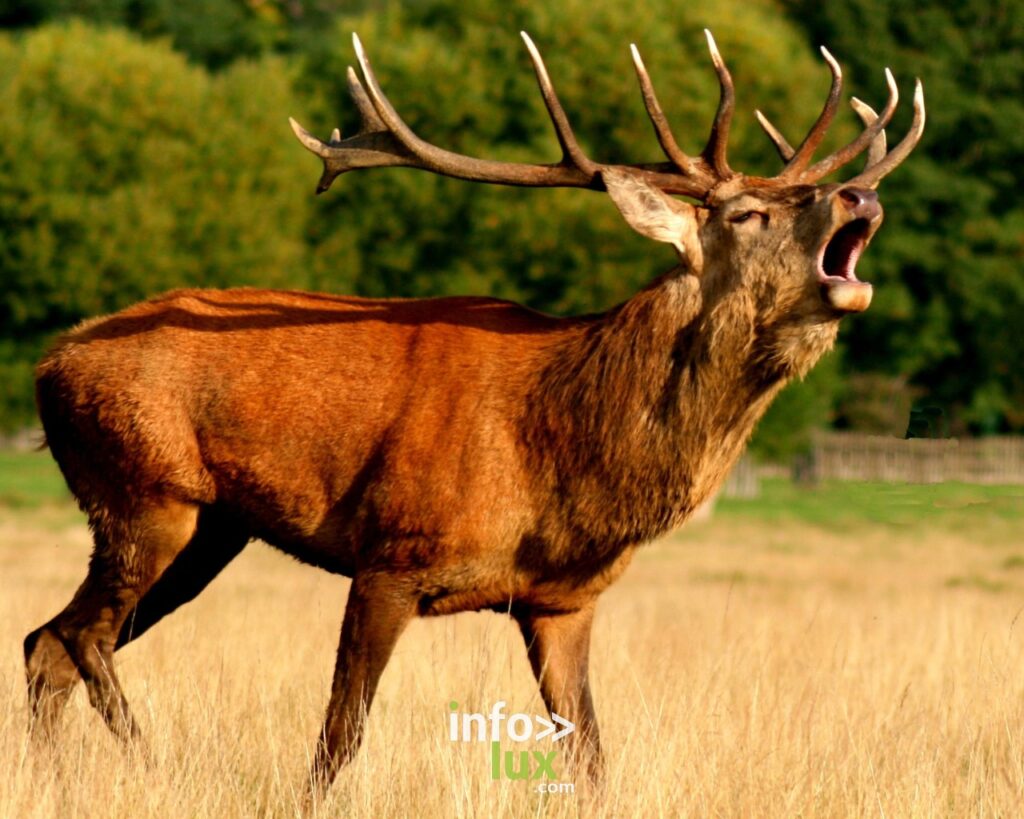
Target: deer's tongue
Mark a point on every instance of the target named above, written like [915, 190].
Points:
[848, 296]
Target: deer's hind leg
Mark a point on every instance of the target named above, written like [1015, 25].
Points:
[217, 541]
[131, 552]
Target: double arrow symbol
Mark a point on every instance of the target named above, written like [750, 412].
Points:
[550, 726]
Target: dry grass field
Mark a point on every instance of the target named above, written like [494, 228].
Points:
[855, 650]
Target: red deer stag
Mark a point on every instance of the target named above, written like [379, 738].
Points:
[452, 454]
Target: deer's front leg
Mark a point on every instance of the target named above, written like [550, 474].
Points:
[379, 607]
[559, 649]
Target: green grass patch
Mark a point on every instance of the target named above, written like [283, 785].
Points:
[30, 479]
[838, 505]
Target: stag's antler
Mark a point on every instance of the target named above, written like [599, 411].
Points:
[384, 139]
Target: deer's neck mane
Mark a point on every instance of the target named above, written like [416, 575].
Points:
[639, 416]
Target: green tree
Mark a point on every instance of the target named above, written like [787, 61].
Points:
[124, 172]
[949, 299]
[211, 32]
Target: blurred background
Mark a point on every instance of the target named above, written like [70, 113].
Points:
[851, 650]
[144, 145]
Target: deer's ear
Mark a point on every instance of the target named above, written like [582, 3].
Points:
[655, 214]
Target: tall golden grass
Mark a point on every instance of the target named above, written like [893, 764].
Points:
[740, 669]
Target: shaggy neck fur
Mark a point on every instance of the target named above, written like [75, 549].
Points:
[639, 417]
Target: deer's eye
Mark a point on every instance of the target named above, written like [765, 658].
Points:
[747, 215]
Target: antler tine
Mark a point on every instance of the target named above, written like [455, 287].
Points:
[715, 151]
[802, 158]
[874, 174]
[657, 116]
[371, 121]
[311, 142]
[852, 149]
[781, 144]
[868, 115]
[571, 151]
[385, 111]
[367, 113]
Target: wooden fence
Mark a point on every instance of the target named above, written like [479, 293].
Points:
[852, 456]
[744, 480]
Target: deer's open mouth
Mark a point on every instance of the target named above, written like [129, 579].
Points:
[839, 256]
[837, 267]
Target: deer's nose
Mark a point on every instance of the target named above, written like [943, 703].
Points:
[861, 202]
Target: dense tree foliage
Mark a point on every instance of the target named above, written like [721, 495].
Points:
[148, 149]
[123, 172]
[214, 33]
